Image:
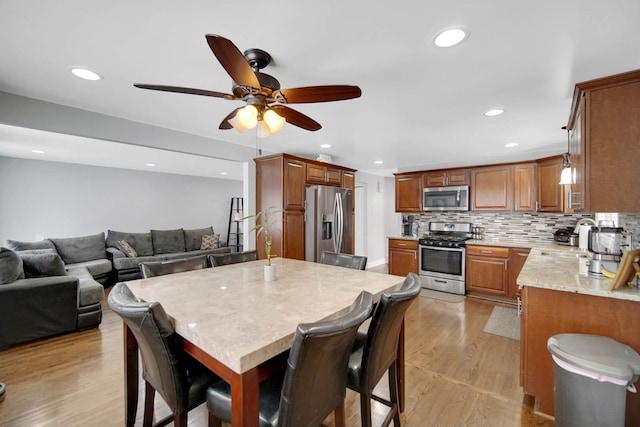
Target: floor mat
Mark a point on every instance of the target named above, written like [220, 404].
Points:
[441, 296]
[505, 322]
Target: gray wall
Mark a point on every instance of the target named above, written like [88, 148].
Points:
[40, 199]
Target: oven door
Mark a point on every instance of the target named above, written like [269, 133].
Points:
[447, 263]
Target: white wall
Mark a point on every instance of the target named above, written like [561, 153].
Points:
[40, 199]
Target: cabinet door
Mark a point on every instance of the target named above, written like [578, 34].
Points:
[577, 198]
[403, 261]
[348, 180]
[293, 235]
[333, 176]
[409, 193]
[294, 190]
[315, 173]
[517, 258]
[434, 179]
[458, 177]
[491, 189]
[550, 193]
[524, 187]
[487, 274]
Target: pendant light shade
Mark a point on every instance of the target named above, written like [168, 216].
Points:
[565, 176]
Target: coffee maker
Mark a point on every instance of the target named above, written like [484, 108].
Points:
[605, 249]
[409, 226]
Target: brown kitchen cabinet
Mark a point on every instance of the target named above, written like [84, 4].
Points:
[320, 174]
[348, 180]
[446, 178]
[524, 187]
[550, 193]
[280, 182]
[403, 257]
[487, 271]
[604, 130]
[492, 188]
[517, 258]
[408, 192]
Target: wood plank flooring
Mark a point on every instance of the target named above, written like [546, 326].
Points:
[457, 375]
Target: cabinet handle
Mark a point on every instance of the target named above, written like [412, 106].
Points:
[446, 180]
[536, 206]
[486, 252]
[294, 165]
[506, 264]
[402, 244]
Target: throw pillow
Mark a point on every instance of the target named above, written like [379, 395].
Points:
[141, 241]
[193, 238]
[10, 266]
[127, 249]
[42, 265]
[210, 241]
[168, 241]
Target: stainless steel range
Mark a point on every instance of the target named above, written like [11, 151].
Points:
[442, 256]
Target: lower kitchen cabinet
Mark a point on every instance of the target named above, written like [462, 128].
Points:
[517, 258]
[487, 271]
[403, 257]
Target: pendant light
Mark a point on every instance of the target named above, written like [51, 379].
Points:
[565, 176]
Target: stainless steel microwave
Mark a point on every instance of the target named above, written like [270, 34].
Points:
[446, 198]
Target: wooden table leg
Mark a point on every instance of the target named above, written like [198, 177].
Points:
[130, 376]
[400, 368]
[245, 402]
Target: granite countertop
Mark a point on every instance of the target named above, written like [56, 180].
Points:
[563, 268]
[513, 242]
[400, 237]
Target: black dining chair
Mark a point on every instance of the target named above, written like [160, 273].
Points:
[180, 379]
[160, 268]
[344, 260]
[376, 350]
[314, 382]
[217, 260]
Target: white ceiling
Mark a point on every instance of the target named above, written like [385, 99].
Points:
[422, 107]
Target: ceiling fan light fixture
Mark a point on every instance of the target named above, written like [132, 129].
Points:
[248, 116]
[236, 124]
[274, 120]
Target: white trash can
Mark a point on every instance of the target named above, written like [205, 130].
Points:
[591, 376]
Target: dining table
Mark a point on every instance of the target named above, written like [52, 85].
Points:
[241, 327]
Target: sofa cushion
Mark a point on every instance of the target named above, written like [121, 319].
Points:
[193, 238]
[132, 263]
[210, 242]
[10, 266]
[89, 291]
[141, 242]
[168, 241]
[16, 245]
[81, 249]
[42, 265]
[128, 250]
[96, 267]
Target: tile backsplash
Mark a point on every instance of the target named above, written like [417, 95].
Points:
[523, 226]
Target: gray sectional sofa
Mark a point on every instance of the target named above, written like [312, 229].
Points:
[157, 245]
[51, 287]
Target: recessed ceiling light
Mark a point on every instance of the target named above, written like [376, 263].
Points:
[450, 37]
[378, 162]
[223, 173]
[325, 146]
[511, 144]
[38, 151]
[83, 73]
[150, 164]
[495, 112]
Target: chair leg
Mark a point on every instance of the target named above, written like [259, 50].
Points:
[339, 415]
[180, 420]
[214, 421]
[365, 409]
[149, 396]
[394, 394]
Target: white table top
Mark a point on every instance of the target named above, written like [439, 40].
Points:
[232, 314]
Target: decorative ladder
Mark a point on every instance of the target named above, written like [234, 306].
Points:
[234, 233]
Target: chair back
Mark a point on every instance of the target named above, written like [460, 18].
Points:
[381, 347]
[316, 376]
[160, 268]
[160, 347]
[356, 262]
[217, 260]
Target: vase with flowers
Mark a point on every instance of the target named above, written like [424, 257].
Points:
[266, 223]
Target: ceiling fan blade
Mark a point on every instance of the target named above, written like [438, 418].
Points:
[233, 61]
[308, 94]
[187, 90]
[224, 124]
[296, 118]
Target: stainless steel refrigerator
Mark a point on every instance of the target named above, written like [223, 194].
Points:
[328, 221]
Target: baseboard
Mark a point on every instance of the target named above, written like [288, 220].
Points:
[376, 263]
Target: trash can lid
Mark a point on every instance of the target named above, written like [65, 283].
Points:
[598, 354]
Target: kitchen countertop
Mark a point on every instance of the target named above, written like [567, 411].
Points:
[562, 268]
[399, 237]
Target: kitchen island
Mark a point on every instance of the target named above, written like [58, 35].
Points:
[559, 297]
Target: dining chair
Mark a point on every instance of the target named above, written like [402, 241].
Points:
[217, 260]
[375, 351]
[160, 268]
[180, 379]
[344, 260]
[314, 382]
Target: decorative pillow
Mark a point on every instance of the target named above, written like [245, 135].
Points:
[81, 249]
[168, 241]
[141, 241]
[42, 265]
[193, 238]
[127, 249]
[16, 245]
[210, 241]
[10, 266]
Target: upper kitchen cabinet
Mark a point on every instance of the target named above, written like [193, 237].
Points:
[524, 187]
[409, 192]
[492, 188]
[550, 193]
[321, 174]
[446, 178]
[604, 132]
[348, 180]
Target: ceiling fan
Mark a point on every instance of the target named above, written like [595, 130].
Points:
[265, 101]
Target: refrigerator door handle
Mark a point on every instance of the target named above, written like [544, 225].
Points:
[340, 221]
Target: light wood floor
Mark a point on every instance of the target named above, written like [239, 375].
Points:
[457, 375]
